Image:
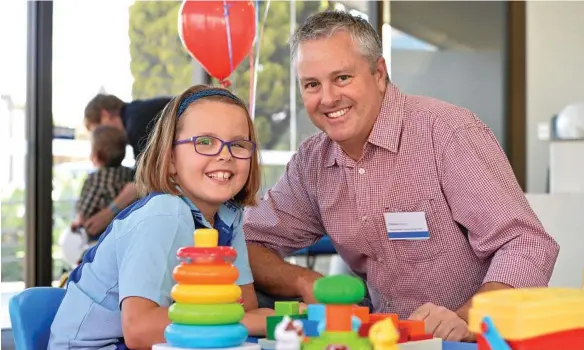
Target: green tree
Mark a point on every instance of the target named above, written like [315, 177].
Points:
[13, 225]
[161, 66]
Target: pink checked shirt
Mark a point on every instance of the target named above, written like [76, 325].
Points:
[422, 155]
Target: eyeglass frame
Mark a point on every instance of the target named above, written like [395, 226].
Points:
[223, 144]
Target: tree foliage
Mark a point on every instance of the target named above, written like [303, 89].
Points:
[161, 66]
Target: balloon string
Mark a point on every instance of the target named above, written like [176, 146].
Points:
[260, 34]
[251, 63]
[228, 31]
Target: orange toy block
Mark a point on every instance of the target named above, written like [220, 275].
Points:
[379, 317]
[414, 327]
[362, 312]
[338, 318]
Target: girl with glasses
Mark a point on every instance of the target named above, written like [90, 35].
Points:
[200, 168]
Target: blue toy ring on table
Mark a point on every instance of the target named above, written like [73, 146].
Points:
[189, 336]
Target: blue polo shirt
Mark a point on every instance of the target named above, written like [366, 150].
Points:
[135, 256]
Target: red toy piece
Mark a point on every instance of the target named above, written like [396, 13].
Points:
[211, 255]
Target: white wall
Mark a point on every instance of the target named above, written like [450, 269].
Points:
[555, 74]
[473, 80]
[561, 215]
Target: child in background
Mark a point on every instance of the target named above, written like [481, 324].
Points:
[108, 150]
[199, 169]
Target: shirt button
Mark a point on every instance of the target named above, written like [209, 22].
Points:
[361, 171]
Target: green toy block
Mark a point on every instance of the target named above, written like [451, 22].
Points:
[283, 308]
[272, 322]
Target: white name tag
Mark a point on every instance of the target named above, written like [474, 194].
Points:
[406, 225]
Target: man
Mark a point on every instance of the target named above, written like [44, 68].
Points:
[390, 166]
[136, 119]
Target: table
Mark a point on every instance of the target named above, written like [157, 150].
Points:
[447, 345]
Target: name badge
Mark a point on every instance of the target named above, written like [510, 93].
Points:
[406, 225]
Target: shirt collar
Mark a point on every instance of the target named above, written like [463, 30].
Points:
[227, 212]
[387, 129]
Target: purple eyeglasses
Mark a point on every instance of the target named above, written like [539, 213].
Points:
[212, 146]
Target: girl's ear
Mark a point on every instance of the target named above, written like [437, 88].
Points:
[172, 166]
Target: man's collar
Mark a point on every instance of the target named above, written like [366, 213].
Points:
[387, 129]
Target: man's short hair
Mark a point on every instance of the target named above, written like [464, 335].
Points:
[100, 102]
[109, 145]
[324, 24]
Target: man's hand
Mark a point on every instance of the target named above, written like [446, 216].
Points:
[98, 222]
[305, 287]
[302, 308]
[443, 323]
[75, 225]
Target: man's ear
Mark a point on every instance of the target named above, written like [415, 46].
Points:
[381, 75]
[106, 117]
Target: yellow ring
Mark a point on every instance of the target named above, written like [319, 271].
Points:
[205, 293]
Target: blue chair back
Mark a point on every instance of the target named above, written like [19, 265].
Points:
[31, 313]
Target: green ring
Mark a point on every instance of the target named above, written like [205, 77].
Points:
[205, 314]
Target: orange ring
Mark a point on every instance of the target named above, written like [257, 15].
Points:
[221, 273]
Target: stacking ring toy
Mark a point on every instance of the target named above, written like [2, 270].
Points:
[218, 273]
[205, 314]
[211, 255]
[225, 336]
[206, 293]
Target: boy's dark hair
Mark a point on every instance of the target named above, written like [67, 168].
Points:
[101, 102]
[109, 145]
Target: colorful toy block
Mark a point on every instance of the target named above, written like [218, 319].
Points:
[528, 319]
[282, 308]
[316, 312]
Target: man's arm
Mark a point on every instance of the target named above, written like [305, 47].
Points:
[284, 221]
[98, 222]
[277, 277]
[485, 198]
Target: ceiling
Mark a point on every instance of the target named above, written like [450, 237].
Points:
[454, 25]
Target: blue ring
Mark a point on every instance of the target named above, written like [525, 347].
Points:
[190, 336]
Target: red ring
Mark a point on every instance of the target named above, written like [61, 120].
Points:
[206, 255]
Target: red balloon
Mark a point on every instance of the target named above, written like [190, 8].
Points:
[203, 30]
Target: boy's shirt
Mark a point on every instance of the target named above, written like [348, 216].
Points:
[135, 257]
[101, 188]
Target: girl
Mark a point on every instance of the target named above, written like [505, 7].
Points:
[199, 169]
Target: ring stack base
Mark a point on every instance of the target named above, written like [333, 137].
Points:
[244, 346]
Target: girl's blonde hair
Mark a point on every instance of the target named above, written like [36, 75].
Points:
[152, 174]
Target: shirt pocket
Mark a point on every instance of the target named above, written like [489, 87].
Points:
[419, 250]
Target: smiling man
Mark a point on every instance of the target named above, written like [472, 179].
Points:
[416, 194]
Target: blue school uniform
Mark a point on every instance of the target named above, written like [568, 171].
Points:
[135, 256]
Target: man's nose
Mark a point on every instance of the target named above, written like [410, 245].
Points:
[330, 96]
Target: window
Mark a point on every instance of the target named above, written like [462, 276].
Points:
[13, 29]
[453, 51]
[137, 54]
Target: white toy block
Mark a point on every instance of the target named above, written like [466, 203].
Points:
[430, 344]
[244, 346]
[267, 344]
